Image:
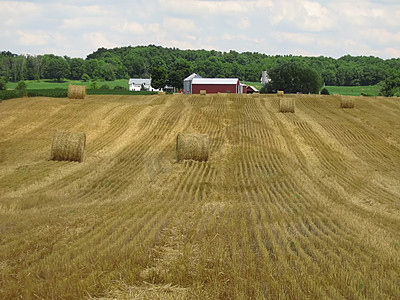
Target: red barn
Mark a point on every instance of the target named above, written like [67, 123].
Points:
[216, 85]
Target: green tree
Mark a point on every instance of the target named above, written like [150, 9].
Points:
[30, 68]
[293, 77]
[91, 67]
[76, 67]
[181, 69]
[56, 68]
[136, 65]
[159, 77]
[3, 83]
[391, 86]
[107, 71]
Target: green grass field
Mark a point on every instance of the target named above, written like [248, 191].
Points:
[372, 90]
[49, 84]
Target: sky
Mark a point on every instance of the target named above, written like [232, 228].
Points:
[77, 28]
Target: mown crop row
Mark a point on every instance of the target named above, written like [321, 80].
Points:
[301, 205]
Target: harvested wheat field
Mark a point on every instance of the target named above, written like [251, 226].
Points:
[301, 205]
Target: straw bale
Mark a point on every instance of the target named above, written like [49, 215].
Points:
[68, 146]
[287, 104]
[280, 93]
[347, 102]
[161, 93]
[203, 92]
[76, 91]
[191, 146]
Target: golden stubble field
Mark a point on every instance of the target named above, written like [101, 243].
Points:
[303, 205]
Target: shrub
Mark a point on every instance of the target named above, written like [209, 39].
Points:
[53, 93]
[93, 85]
[21, 86]
[118, 87]
[4, 95]
[3, 83]
[104, 87]
[85, 77]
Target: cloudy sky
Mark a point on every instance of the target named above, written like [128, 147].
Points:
[300, 27]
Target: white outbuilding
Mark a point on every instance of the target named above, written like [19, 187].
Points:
[136, 84]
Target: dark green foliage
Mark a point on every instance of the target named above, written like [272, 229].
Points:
[63, 93]
[117, 92]
[139, 62]
[53, 93]
[21, 86]
[366, 94]
[104, 87]
[120, 88]
[85, 77]
[325, 91]
[10, 94]
[293, 76]
[180, 70]
[3, 83]
[391, 86]
[76, 66]
[55, 67]
[93, 85]
[263, 89]
[159, 77]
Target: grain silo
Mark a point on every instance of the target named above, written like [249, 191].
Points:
[187, 83]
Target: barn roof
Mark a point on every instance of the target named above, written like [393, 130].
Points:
[252, 88]
[194, 75]
[215, 80]
[140, 81]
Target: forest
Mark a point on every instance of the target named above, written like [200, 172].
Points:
[140, 61]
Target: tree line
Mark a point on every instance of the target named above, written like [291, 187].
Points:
[143, 61]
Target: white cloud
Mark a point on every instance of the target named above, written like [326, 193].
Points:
[33, 38]
[179, 25]
[323, 27]
[97, 40]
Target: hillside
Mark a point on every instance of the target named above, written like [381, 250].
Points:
[139, 62]
[302, 205]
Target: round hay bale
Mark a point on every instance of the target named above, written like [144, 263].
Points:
[287, 105]
[68, 146]
[76, 91]
[280, 93]
[347, 102]
[160, 93]
[203, 92]
[191, 146]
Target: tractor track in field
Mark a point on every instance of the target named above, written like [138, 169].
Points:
[302, 205]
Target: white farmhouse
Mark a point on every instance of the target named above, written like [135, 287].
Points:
[135, 84]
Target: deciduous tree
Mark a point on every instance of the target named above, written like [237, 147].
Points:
[293, 77]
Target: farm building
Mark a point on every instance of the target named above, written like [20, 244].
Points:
[136, 84]
[217, 85]
[265, 78]
[251, 89]
[187, 83]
